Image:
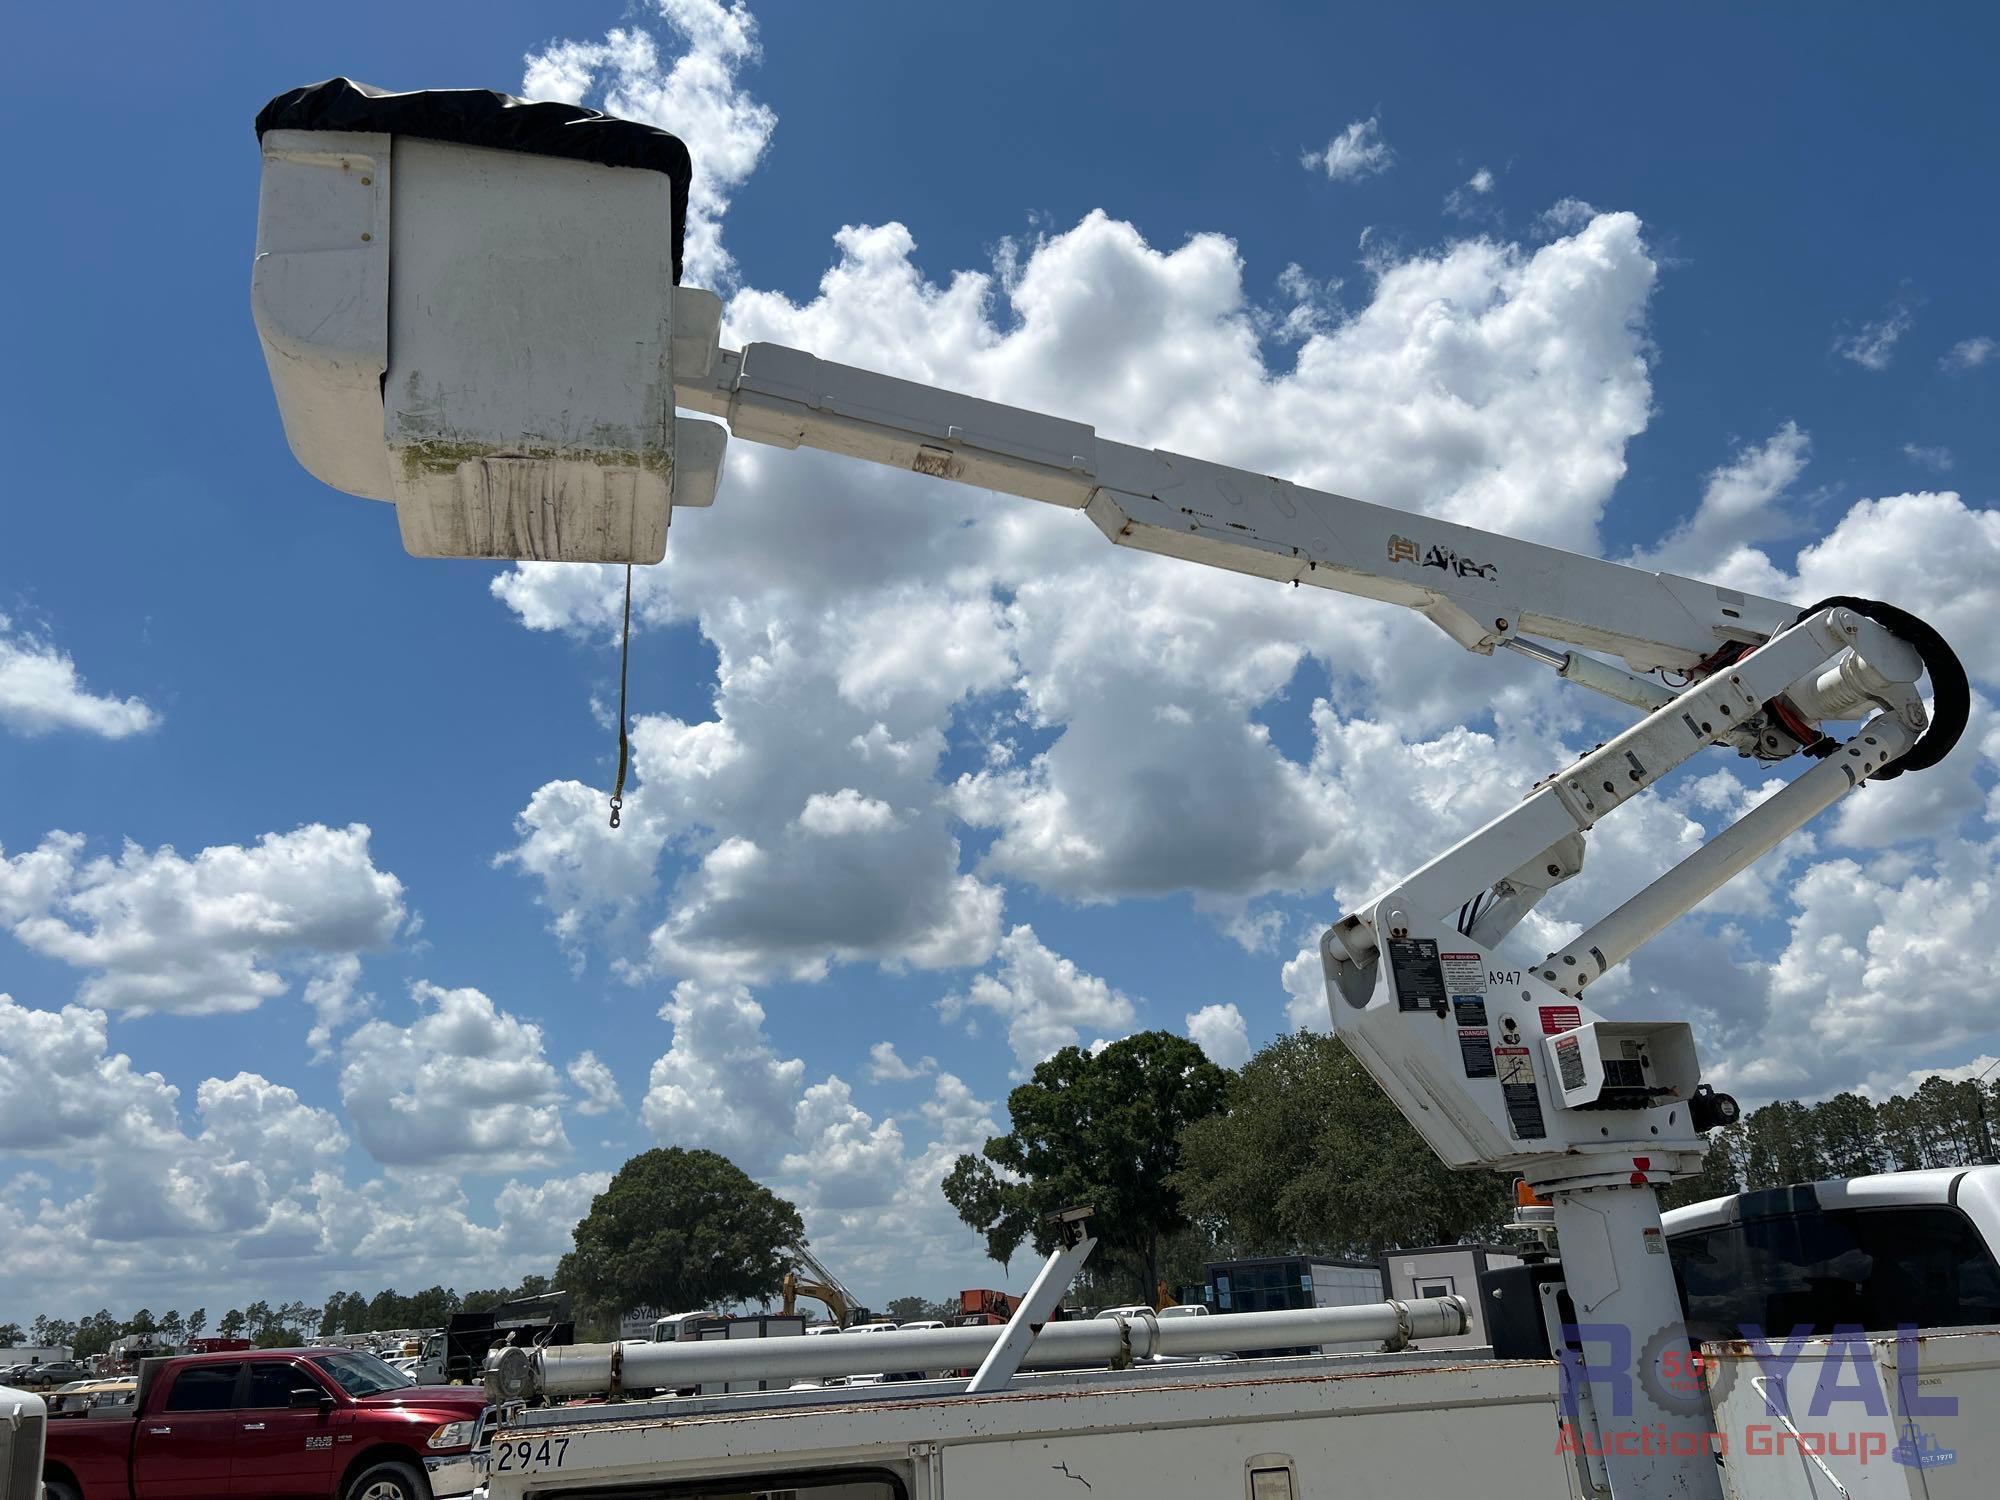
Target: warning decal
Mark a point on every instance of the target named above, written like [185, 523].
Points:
[1475, 1042]
[1557, 1018]
[1475, 1050]
[1414, 968]
[1464, 973]
[1514, 1065]
[1569, 1062]
[1523, 1100]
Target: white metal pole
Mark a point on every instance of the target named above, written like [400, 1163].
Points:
[585, 1369]
[1004, 1359]
[1628, 1310]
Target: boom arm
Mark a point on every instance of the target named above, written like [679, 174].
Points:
[1480, 588]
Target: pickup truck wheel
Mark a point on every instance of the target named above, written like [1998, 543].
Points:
[56, 1489]
[390, 1481]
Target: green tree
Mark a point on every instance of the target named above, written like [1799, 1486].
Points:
[678, 1230]
[197, 1321]
[143, 1321]
[95, 1333]
[53, 1333]
[12, 1334]
[1781, 1146]
[995, 1207]
[1313, 1157]
[1721, 1170]
[232, 1325]
[918, 1309]
[1849, 1135]
[1100, 1131]
[173, 1327]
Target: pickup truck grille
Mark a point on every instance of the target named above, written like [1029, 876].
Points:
[22, 1437]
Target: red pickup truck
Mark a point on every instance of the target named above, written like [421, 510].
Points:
[302, 1424]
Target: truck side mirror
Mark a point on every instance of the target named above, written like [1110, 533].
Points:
[309, 1395]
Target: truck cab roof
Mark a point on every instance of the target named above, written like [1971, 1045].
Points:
[1975, 1189]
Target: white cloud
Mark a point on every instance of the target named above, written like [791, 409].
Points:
[696, 96]
[60, 1090]
[1739, 505]
[846, 811]
[249, 1118]
[1304, 984]
[330, 991]
[1468, 199]
[1358, 151]
[158, 932]
[1873, 345]
[1930, 553]
[594, 1081]
[1892, 965]
[1938, 458]
[1565, 216]
[886, 1066]
[1220, 1031]
[1041, 997]
[464, 1085]
[539, 1218]
[1969, 354]
[721, 1085]
[41, 692]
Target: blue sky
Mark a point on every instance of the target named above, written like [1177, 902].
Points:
[1785, 352]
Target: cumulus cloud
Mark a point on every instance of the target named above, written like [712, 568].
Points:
[41, 691]
[1041, 998]
[594, 1081]
[1358, 151]
[464, 1085]
[59, 1087]
[249, 1118]
[1221, 1032]
[721, 1085]
[156, 931]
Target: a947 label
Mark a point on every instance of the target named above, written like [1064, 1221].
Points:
[525, 1454]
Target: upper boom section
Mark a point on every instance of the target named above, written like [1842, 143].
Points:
[1478, 586]
[469, 307]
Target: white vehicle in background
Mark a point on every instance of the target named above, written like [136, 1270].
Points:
[1136, 1310]
[673, 1325]
[1184, 1310]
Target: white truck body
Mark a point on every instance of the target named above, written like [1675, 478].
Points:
[1352, 1425]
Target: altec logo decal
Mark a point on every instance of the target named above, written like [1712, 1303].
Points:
[1678, 1380]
